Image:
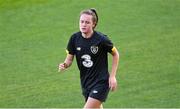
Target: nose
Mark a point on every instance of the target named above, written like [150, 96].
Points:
[83, 24]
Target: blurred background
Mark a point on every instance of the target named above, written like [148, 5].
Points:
[33, 39]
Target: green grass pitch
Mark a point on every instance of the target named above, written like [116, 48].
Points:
[34, 35]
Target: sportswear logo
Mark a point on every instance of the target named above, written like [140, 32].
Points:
[95, 91]
[78, 48]
[94, 49]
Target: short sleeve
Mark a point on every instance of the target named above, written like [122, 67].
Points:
[70, 47]
[107, 44]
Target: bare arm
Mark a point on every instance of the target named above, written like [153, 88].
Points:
[112, 78]
[67, 63]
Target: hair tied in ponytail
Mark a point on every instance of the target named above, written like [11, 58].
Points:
[94, 11]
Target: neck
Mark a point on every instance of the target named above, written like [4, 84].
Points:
[87, 35]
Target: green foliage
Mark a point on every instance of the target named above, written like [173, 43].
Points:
[34, 35]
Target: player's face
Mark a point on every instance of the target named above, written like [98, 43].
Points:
[86, 24]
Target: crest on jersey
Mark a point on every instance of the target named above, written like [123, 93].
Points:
[94, 49]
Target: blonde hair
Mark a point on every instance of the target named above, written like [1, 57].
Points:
[93, 13]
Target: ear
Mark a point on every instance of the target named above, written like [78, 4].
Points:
[94, 24]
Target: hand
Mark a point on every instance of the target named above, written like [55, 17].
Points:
[62, 67]
[112, 83]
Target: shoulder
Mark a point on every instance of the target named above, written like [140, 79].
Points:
[100, 33]
[75, 36]
[102, 36]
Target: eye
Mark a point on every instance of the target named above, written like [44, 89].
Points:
[81, 21]
[87, 22]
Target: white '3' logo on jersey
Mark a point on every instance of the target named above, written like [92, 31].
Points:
[87, 62]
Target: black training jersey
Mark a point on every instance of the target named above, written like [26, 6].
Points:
[91, 57]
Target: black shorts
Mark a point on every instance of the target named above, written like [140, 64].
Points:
[99, 92]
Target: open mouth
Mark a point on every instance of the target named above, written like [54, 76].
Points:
[83, 28]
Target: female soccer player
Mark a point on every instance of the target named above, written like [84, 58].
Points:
[91, 49]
